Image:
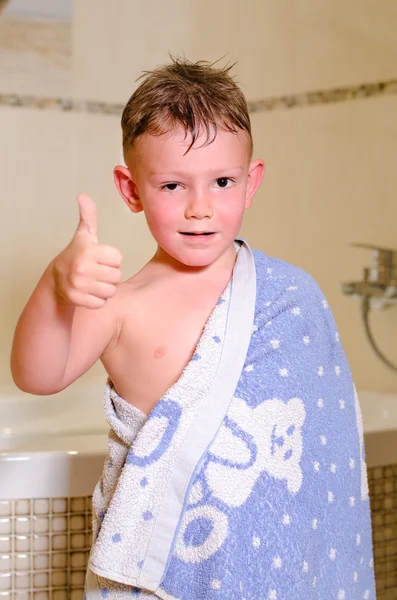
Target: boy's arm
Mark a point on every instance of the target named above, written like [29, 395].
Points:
[60, 335]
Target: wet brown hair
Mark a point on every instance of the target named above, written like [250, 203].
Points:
[197, 96]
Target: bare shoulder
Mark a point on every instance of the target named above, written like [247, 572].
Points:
[146, 281]
[125, 306]
[103, 325]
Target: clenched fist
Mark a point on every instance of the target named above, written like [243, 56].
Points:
[86, 273]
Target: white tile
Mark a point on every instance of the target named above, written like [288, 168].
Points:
[22, 507]
[77, 578]
[76, 523]
[5, 526]
[5, 508]
[59, 542]
[22, 543]
[41, 506]
[78, 560]
[22, 580]
[59, 505]
[59, 524]
[22, 562]
[41, 525]
[5, 544]
[77, 505]
[60, 595]
[58, 578]
[41, 561]
[5, 581]
[40, 580]
[59, 560]
[77, 540]
[5, 563]
[22, 525]
[41, 543]
[41, 596]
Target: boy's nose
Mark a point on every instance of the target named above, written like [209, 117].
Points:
[198, 207]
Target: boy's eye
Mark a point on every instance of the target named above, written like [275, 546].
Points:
[169, 186]
[223, 182]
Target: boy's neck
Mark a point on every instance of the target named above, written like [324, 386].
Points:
[164, 261]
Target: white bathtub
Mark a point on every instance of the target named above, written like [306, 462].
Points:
[55, 446]
[52, 446]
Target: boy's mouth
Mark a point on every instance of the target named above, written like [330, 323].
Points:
[193, 233]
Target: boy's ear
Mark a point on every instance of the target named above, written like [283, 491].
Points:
[255, 175]
[127, 188]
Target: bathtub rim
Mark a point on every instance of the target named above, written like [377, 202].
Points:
[65, 475]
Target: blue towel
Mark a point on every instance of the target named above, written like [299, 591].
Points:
[248, 478]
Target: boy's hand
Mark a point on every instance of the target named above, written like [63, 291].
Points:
[86, 273]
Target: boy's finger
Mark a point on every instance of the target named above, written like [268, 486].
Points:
[88, 216]
[108, 255]
[102, 290]
[107, 274]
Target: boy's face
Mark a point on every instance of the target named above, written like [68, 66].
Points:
[193, 202]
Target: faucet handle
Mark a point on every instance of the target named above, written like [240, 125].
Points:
[371, 247]
[384, 264]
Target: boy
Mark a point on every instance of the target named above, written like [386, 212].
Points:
[236, 463]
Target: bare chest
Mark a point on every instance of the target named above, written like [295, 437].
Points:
[155, 345]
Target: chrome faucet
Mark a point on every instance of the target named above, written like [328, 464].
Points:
[378, 289]
[379, 282]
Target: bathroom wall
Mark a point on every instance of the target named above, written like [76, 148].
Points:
[331, 176]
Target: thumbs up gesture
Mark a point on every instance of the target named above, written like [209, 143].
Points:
[86, 273]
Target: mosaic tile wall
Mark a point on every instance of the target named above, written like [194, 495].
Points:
[44, 543]
[383, 494]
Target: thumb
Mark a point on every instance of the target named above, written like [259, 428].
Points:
[88, 216]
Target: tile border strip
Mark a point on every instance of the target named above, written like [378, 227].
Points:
[330, 96]
[305, 99]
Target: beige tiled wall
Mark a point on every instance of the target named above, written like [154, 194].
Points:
[113, 47]
[34, 56]
[330, 178]
[282, 47]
